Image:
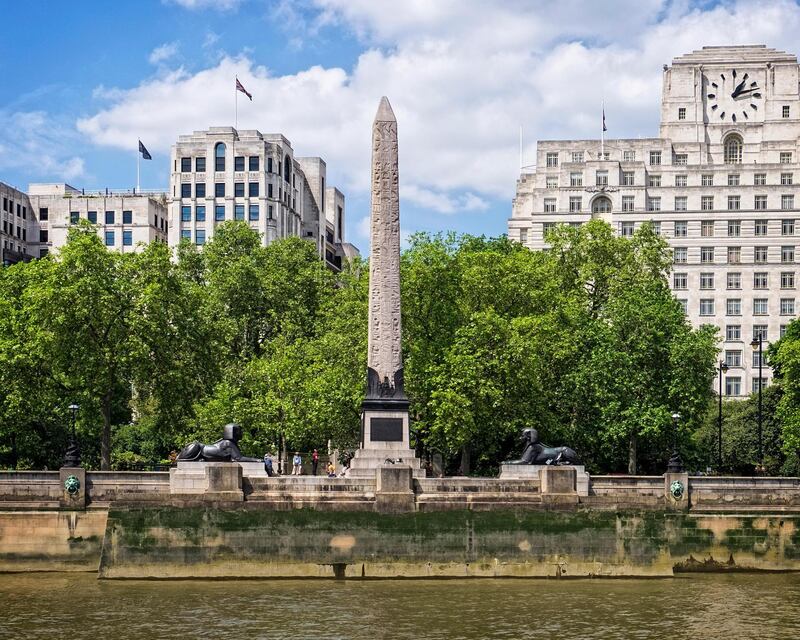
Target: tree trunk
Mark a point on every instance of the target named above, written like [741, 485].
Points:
[632, 455]
[464, 469]
[105, 439]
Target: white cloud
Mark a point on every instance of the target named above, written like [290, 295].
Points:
[163, 53]
[222, 5]
[462, 76]
[363, 229]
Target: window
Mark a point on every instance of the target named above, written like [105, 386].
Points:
[186, 190]
[74, 216]
[551, 159]
[252, 189]
[654, 180]
[238, 163]
[186, 214]
[734, 280]
[679, 255]
[269, 190]
[760, 306]
[547, 227]
[759, 179]
[785, 157]
[186, 234]
[707, 228]
[655, 157]
[628, 156]
[576, 179]
[760, 255]
[681, 180]
[200, 214]
[733, 179]
[575, 203]
[733, 149]
[707, 255]
[733, 307]
[782, 331]
[200, 164]
[219, 212]
[109, 217]
[787, 202]
[785, 111]
[680, 159]
[252, 163]
[523, 233]
[733, 386]
[253, 213]
[760, 227]
[733, 358]
[219, 190]
[680, 281]
[654, 204]
[269, 214]
[44, 213]
[549, 205]
[787, 178]
[601, 178]
[627, 178]
[734, 228]
[734, 255]
[200, 190]
[551, 182]
[238, 212]
[734, 203]
[186, 165]
[787, 254]
[760, 331]
[200, 237]
[787, 227]
[733, 333]
[577, 156]
[707, 180]
[706, 203]
[787, 306]
[269, 165]
[92, 216]
[601, 205]
[787, 280]
[238, 189]
[627, 229]
[706, 280]
[219, 157]
[684, 305]
[760, 203]
[758, 383]
[656, 226]
[127, 238]
[43, 235]
[760, 280]
[627, 203]
[681, 113]
[109, 238]
[680, 229]
[706, 306]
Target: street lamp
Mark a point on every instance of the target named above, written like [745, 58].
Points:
[723, 368]
[675, 464]
[73, 456]
[758, 342]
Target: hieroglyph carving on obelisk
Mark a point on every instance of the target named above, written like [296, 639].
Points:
[384, 356]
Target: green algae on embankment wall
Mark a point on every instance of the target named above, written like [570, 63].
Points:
[208, 542]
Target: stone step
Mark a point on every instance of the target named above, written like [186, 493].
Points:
[370, 472]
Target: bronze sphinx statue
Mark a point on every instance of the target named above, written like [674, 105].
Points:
[537, 453]
[224, 450]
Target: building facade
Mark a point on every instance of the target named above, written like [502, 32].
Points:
[19, 233]
[719, 184]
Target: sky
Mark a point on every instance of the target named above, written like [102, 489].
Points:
[83, 80]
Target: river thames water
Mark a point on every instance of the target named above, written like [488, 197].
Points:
[704, 607]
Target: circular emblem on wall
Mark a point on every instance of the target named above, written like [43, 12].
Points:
[676, 488]
[72, 485]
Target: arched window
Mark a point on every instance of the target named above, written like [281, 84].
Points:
[219, 157]
[601, 205]
[733, 149]
[287, 169]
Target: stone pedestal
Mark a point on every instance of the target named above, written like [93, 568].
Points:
[74, 477]
[676, 491]
[211, 480]
[542, 474]
[394, 492]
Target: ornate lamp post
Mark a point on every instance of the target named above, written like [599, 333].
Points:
[675, 464]
[723, 368]
[73, 456]
[758, 342]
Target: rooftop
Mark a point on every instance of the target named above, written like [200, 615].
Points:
[746, 53]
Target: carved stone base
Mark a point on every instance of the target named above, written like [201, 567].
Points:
[73, 478]
[211, 480]
[536, 473]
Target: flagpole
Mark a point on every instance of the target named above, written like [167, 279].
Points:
[137, 166]
[236, 101]
[603, 129]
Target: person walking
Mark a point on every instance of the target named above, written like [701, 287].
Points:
[297, 462]
[314, 462]
[268, 464]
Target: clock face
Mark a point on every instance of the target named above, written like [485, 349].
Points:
[733, 96]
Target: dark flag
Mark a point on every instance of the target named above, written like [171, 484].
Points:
[240, 87]
[145, 153]
[604, 120]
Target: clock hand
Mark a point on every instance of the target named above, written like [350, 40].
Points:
[745, 91]
[738, 88]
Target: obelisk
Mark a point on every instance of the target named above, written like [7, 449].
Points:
[384, 417]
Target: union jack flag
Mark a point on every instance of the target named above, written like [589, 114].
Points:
[240, 87]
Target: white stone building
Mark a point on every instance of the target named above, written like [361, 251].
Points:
[224, 174]
[19, 235]
[719, 183]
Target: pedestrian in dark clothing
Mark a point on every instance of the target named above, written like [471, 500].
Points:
[314, 462]
[268, 464]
